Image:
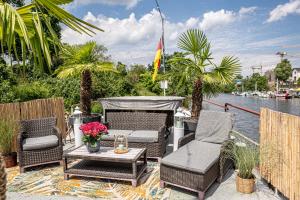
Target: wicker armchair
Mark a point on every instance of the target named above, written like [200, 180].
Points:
[142, 123]
[39, 142]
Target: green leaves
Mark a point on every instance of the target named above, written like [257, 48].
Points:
[89, 56]
[226, 72]
[26, 23]
[197, 63]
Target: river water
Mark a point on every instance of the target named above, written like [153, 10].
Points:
[247, 123]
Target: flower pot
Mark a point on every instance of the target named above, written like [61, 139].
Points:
[93, 148]
[245, 186]
[10, 160]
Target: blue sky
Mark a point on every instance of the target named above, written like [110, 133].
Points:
[253, 30]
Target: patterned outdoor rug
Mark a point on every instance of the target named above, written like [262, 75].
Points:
[49, 180]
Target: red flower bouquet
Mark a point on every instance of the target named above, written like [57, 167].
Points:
[92, 133]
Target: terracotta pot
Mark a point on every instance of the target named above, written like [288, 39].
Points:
[245, 186]
[10, 160]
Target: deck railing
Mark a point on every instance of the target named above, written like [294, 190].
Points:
[227, 105]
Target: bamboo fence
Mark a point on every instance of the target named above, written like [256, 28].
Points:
[53, 107]
[280, 151]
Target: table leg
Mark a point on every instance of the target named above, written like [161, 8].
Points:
[65, 164]
[66, 176]
[134, 172]
[134, 183]
[134, 169]
[145, 161]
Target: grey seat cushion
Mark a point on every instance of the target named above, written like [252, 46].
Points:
[112, 132]
[195, 156]
[40, 142]
[213, 127]
[146, 136]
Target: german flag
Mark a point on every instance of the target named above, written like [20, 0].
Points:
[157, 60]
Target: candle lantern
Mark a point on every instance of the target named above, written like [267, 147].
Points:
[121, 144]
[178, 127]
[77, 122]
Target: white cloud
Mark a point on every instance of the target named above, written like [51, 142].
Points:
[223, 17]
[219, 18]
[247, 10]
[283, 10]
[127, 3]
[134, 40]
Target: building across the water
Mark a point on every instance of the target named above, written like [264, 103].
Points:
[295, 74]
[270, 75]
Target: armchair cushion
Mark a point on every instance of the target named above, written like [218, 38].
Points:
[40, 142]
[146, 136]
[195, 156]
[143, 136]
[112, 132]
[213, 127]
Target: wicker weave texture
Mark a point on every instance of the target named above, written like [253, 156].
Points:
[188, 179]
[36, 128]
[139, 120]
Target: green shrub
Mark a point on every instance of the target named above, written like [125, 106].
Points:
[110, 85]
[96, 107]
[31, 91]
[68, 88]
[7, 132]
[7, 95]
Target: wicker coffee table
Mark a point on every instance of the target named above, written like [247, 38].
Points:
[106, 164]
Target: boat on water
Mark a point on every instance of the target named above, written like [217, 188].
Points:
[264, 95]
[284, 95]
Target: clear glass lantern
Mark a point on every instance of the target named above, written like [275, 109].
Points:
[77, 116]
[179, 116]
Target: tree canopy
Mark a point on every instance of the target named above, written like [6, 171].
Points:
[283, 70]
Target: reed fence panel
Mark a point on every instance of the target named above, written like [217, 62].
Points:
[280, 151]
[41, 108]
[53, 107]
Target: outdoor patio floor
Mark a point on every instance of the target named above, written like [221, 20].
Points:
[224, 191]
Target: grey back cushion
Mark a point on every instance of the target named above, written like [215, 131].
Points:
[213, 126]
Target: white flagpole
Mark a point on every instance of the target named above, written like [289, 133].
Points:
[163, 41]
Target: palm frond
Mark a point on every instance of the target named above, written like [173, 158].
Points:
[228, 69]
[25, 23]
[104, 67]
[66, 18]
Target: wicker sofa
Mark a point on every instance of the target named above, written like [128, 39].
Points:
[39, 142]
[144, 129]
[198, 162]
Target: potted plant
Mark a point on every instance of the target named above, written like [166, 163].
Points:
[246, 158]
[7, 136]
[92, 133]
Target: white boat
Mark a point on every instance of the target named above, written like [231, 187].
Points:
[244, 94]
[264, 95]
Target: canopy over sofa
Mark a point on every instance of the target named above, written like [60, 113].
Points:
[168, 104]
[144, 119]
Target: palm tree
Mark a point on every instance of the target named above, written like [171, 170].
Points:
[29, 24]
[197, 66]
[84, 60]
